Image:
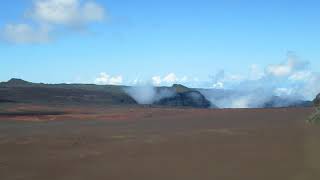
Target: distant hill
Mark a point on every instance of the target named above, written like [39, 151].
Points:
[21, 91]
[16, 82]
[184, 96]
[17, 90]
[180, 88]
[276, 101]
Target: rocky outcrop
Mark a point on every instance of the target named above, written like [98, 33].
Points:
[316, 101]
[185, 99]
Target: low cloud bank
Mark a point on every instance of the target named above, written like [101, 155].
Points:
[257, 98]
[280, 84]
[106, 79]
[276, 85]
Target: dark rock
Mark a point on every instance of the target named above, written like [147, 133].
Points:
[316, 101]
[185, 99]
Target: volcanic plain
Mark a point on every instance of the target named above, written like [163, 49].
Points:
[155, 143]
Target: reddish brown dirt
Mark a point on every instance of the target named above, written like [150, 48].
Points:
[158, 144]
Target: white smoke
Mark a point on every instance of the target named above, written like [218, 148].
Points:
[237, 98]
[148, 94]
[142, 94]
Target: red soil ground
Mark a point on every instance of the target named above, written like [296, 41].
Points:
[117, 143]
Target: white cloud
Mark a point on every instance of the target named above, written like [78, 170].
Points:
[283, 91]
[218, 85]
[300, 76]
[66, 12]
[280, 69]
[55, 11]
[106, 79]
[156, 80]
[184, 79]
[255, 72]
[46, 16]
[234, 77]
[24, 33]
[222, 80]
[102, 79]
[117, 80]
[292, 65]
[311, 87]
[170, 78]
[292, 80]
[93, 12]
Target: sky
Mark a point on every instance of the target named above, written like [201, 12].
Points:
[199, 43]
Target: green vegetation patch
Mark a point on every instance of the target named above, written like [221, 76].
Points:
[315, 117]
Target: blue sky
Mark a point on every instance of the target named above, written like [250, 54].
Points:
[143, 39]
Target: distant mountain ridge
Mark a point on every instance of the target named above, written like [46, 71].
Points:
[277, 101]
[21, 91]
[16, 82]
[18, 90]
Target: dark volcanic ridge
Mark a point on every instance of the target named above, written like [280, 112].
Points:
[21, 91]
[183, 96]
[316, 101]
[276, 101]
